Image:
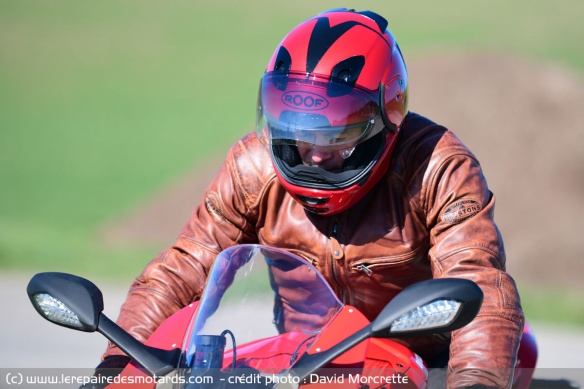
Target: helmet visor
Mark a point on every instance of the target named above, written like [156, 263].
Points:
[315, 112]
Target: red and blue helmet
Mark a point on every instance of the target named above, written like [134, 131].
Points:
[337, 82]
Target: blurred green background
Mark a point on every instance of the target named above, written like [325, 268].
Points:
[103, 103]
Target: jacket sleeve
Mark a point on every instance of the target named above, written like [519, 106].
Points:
[465, 243]
[177, 276]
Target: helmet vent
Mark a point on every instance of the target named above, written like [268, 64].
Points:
[313, 200]
[282, 65]
[283, 60]
[344, 75]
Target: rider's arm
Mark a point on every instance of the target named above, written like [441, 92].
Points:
[467, 244]
[176, 277]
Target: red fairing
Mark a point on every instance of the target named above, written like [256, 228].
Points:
[270, 354]
[371, 358]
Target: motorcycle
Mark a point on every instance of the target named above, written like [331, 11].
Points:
[268, 319]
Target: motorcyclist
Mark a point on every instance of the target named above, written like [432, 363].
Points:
[342, 174]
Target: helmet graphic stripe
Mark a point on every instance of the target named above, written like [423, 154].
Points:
[322, 38]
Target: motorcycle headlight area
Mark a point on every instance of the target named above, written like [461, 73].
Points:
[57, 312]
[435, 314]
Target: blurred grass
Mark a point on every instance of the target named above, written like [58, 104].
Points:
[552, 305]
[101, 103]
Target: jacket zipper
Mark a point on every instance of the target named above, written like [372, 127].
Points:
[364, 269]
[337, 253]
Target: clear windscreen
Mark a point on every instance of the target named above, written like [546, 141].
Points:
[261, 309]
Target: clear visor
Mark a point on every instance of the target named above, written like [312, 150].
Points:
[315, 112]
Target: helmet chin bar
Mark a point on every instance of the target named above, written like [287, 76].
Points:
[314, 177]
[334, 199]
[307, 174]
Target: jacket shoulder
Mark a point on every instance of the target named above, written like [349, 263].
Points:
[251, 166]
[424, 147]
[421, 138]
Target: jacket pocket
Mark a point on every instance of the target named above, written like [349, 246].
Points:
[371, 266]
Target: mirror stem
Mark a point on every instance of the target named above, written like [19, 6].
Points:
[157, 362]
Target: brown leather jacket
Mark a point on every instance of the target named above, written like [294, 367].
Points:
[430, 216]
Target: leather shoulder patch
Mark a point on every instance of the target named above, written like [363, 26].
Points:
[460, 211]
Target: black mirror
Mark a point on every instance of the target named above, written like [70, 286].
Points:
[453, 302]
[66, 300]
[429, 307]
[76, 303]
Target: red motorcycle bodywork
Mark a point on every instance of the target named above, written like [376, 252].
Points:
[373, 357]
[370, 357]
